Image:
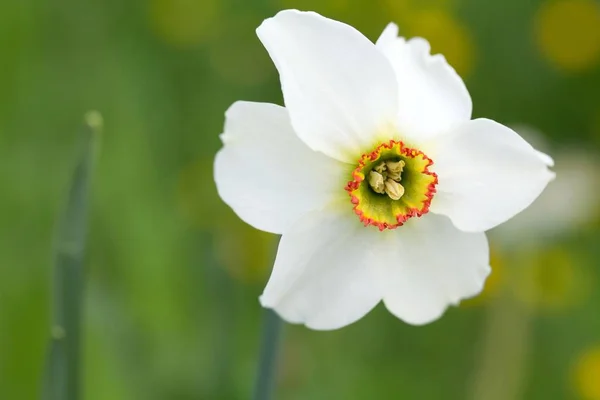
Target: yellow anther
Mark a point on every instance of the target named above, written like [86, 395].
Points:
[380, 168]
[376, 182]
[394, 169]
[393, 189]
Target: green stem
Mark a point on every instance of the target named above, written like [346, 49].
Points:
[62, 379]
[501, 369]
[267, 367]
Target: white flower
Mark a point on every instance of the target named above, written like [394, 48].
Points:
[373, 137]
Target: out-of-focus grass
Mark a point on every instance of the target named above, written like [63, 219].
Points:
[154, 308]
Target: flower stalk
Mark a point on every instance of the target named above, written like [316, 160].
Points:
[62, 377]
[267, 365]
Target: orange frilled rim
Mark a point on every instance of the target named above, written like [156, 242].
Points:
[379, 209]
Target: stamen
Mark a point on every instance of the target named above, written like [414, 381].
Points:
[381, 167]
[376, 182]
[385, 178]
[394, 169]
[394, 189]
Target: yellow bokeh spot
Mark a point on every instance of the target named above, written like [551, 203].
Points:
[397, 9]
[246, 253]
[185, 23]
[320, 6]
[404, 9]
[493, 283]
[550, 280]
[587, 374]
[568, 33]
[447, 36]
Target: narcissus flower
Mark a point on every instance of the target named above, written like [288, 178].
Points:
[374, 173]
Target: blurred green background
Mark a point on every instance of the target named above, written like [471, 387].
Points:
[171, 308]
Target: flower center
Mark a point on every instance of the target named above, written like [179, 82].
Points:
[386, 177]
[391, 184]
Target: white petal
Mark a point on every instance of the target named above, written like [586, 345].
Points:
[431, 265]
[546, 159]
[571, 200]
[337, 86]
[431, 95]
[323, 274]
[266, 174]
[487, 174]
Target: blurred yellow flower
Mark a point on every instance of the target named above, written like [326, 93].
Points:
[399, 7]
[587, 374]
[246, 254]
[550, 280]
[320, 6]
[185, 22]
[494, 282]
[253, 251]
[447, 35]
[568, 33]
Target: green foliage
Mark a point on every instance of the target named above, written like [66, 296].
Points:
[170, 311]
